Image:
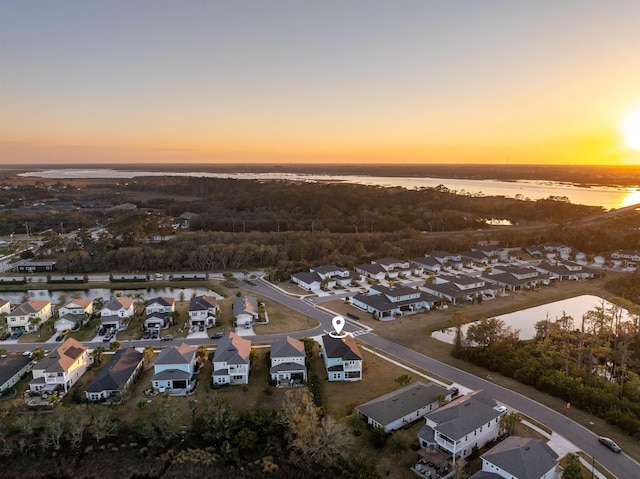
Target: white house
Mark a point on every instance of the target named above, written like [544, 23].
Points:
[309, 280]
[387, 303]
[203, 311]
[232, 360]
[342, 358]
[156, 320]
[288, 358]
[174, 368]
[115, 310]
[465, 422]
[403, 406]
[163, 305]
[69, 321]
[519, 458]
[245, 309]
[427, 263]
[61, 368]
[12, 368]
[116, 376]
[22, 317]
[77, 306]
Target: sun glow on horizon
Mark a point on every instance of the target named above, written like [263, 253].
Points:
[631, 130]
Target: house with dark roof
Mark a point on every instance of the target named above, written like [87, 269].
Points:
[448, 260]
[427, 264]
[288, 362]
[22, 318]
[519, 458]
[373, 271]
[161, 304]
[342, 358]
[393, 264]
[156, 320]
[115, 310]
[331, 275]
[232, 360]
[12, 368]
[309, 280]
[174, 368]
[115, 377]
[404, 406]
[460, 289]
[516, 278]
[61, 368]
[203, 311]
[465, 422]
[245, 309]
[388, 302]
[566, 271]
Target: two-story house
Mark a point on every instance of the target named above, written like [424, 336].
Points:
[116, 376]
[519, 458]
[22, 318]
[232, 360]
[174, 368]
[115, 310]
[288, 367]
[465, 422]
[163, 305]
[203, 311]
[61, 368]
[342, 358]
[77, 307]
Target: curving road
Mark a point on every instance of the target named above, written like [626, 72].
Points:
[620, 465]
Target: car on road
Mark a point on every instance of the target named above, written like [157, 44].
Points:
[217, 335]
[167, 337]
[610, 443]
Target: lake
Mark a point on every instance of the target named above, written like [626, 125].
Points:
[607, 197]
[16, 297]
[525, 319]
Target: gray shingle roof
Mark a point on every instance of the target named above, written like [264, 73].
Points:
[202, 303]
[287, 348]
[464, 415]
[524, 458]
[182, 354]
[233, 349]
[114, 375]
[397, 404]
[10, 365]
[345, 348]
[173, 374]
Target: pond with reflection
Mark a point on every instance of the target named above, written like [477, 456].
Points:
[17, 297]
[525, 319]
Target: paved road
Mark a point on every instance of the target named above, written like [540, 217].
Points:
[620, 465]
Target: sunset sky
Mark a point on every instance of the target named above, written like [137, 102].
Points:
[475, 81]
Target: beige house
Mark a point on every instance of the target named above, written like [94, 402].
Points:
[22, 318]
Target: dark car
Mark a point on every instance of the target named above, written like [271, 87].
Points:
[146, 334]
[610, 443]
[217, 335]
[107, 337]
[16, 334]
[59, 337]
[154, 334]
[168, 337]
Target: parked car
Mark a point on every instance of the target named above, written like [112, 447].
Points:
[610, 443]
[16, 334]
[167, 337]
[502, 410]
[217, 335]
[154, 334]
[5, 336]
[59, 337]
[107, 337]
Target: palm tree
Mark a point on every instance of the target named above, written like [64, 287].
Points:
[97, 354]
[114, 346]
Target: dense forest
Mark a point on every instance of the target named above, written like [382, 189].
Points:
[287, 226]
[88, 441]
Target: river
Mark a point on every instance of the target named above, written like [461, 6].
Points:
[606, 197]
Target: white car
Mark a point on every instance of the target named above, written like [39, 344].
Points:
[502, 410]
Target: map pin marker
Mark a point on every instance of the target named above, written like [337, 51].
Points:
[338, 324]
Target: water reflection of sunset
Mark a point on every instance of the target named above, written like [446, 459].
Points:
[632, 198]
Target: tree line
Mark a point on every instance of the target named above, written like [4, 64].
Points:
[591, 363]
